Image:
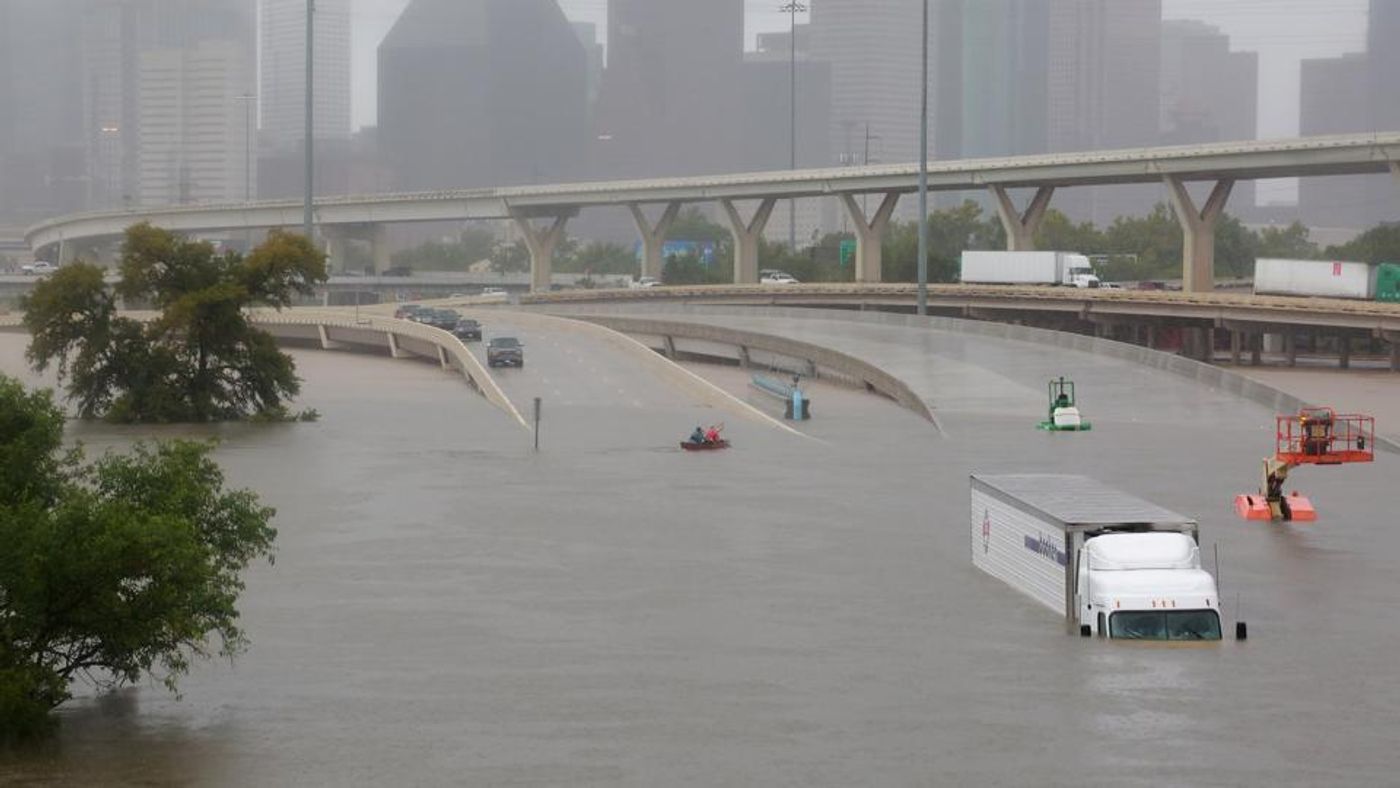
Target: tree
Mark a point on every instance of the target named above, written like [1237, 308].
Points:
[472, 246]
[689, 269]
[1379, 244]
[1057, 233]
[600, 258]
[109, 571]
[200, 359]
[1289, 242]
[510, 258]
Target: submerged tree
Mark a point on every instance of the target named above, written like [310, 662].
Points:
[112, 570]
[200, 359]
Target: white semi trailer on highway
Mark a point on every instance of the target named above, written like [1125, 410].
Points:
[1111, 563]
[1028, 268]
[1324, 278]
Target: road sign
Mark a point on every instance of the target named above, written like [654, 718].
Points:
[848, 251]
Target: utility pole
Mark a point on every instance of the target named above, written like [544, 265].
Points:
[793, 8]
[247, 99]
[307, 219]
[923, 171]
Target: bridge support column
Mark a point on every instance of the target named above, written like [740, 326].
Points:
[337, 248]
[1290, 347]
[1198, 227]
[870, 234]
[1021, 227]
[1235, 342]
[541, 241]
[1394, 339]
[746, 235]
[653, 236]
[1344, 345]
[379, 247]
[67, 252]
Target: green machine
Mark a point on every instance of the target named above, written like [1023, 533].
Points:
[1064, 413]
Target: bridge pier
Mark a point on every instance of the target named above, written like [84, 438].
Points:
[746, 235]
[379, 247]
[1198, 227]
[870, 234]
[653, 235]
[337, 247]
[1021, 227]
[67, 252]
[541, 241]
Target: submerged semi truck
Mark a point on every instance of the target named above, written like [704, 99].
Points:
[1114, 565]
[1027, 268]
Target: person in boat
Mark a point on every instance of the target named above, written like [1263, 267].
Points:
[712, 434]
[1062, 401]
[698, 436]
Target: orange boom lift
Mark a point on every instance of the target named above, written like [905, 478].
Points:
[1314, 436]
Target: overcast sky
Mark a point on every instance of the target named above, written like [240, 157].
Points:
[1283, 32]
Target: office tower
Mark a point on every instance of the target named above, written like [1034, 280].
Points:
[482, 93]
[669, 101]
[283, 78]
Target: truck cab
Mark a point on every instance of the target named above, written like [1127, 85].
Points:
[1079, 272]
[1146, 586]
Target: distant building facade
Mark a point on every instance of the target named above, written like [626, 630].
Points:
[1357, 92]
[193, 144]
[283, 77]
[669, 103]
[42, 133]
[481, 93]
[133, 48]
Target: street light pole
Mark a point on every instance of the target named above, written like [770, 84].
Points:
[923, 171]
[247, 99]
[307, 218]
[792, 9]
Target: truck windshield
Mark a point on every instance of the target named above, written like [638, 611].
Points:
[1165, 625]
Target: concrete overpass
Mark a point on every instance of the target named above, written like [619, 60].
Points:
[542, 212]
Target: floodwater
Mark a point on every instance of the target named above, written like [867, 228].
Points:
[449, 608]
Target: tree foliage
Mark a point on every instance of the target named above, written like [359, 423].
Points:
[200, 359]
[112, 570]
[1377, 245]
[471, 247]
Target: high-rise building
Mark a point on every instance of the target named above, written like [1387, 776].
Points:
[41, 134]
[1333, 99]
[481, 93]
[991, 89]
[875, 61]
[193, 145]
[283, 77]
[1103, 82]
[116, 35]
[669, 104]
[1209, 93]
[1354, 93]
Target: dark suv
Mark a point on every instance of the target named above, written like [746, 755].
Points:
[467, 330]
[445, 319]
[505, 352]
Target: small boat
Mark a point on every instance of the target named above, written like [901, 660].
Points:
[719, 444]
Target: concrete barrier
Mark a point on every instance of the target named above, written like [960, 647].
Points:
[652, 320]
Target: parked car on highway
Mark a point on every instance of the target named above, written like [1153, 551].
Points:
[644, 281]
[38, 268]
[777, 278]
[505, 352]
[467, 330]
[445, 319]
[407, 311]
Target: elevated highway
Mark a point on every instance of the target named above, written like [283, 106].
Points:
[542, 212]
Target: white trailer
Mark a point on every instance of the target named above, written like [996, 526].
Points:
[1028, 268]
[1324, 278]
[1111, 563]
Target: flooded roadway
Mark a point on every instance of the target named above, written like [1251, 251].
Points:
[449, 608]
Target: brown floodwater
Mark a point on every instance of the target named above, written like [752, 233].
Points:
[448, 607]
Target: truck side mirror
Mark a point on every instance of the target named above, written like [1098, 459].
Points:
[1085, 630]
[1241, 630]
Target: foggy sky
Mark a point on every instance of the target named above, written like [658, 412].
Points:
[1283, 32]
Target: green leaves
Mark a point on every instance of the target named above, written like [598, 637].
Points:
[200, 360]
[110, 571]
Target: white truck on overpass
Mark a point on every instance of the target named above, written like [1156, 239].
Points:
[1028, 268]
[1111, 563]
